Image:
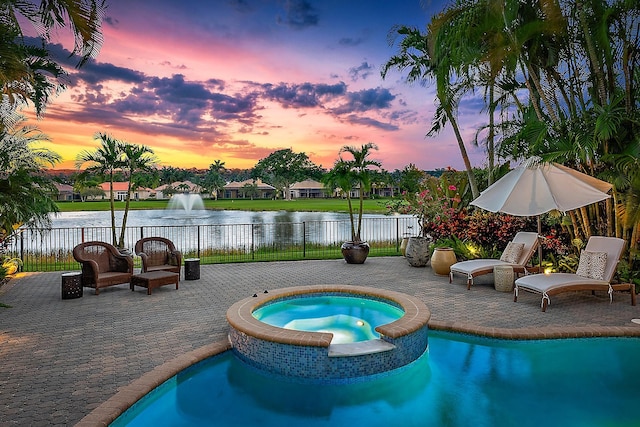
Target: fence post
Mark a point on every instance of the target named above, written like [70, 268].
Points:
[198, 241]
[22, 250]
[304, 239]
[253, 256]
[397, 234]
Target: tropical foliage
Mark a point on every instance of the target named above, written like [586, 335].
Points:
[283, 168]
[559, 80]
[28, 74]
[25, 192]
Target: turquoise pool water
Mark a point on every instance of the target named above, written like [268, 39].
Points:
[349, 319]
[460, 381]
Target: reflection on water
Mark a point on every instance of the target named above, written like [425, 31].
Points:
[177, 217]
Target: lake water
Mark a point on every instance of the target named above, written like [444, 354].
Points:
[137, 218]
[219, 229]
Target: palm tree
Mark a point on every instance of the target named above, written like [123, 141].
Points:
[417, 54]
[105, 160]
[213, 179]
[84, 18]
[137, 159]
[28, 73]
[353, 173]
[25, 193]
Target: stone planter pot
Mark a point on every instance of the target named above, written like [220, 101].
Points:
[417, 252]
[442, 260]
[355, 253]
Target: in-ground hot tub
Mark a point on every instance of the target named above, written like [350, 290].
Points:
[312, 355]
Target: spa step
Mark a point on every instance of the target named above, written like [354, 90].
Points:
[359, 348]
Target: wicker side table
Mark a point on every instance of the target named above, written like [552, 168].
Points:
[503, 278]
[71, 285]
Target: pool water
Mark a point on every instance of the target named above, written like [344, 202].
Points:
[349, 319]
[460, 381]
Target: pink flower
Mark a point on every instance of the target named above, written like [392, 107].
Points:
[452, 188]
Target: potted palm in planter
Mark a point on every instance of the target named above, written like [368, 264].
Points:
[346, 175]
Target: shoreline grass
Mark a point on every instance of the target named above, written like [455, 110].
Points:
[371, 206]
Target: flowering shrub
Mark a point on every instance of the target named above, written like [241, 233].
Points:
[493, 231]
[434, 206]
[442, 215]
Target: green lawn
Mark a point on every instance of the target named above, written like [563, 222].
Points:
[298, 205]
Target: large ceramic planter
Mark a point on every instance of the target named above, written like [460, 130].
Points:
[417, 252]
[355, 253]
[442, 259]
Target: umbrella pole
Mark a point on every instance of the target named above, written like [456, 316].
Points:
[539, 245]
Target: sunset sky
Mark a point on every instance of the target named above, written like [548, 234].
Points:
[235, 80]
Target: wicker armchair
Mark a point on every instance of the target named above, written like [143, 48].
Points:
[102, 265]
[158, 253]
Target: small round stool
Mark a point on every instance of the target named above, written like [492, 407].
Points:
[192, 269]
[503, 278]
[71, 285]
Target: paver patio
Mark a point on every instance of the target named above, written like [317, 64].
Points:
[61, 359]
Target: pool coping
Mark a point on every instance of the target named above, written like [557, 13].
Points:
[240, 317]
[127, 396]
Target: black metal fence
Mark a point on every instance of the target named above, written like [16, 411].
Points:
[51, 250]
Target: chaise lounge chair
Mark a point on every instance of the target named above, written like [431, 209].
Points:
[102, 265]
[158, 254]
[595, 271]
[516, 255]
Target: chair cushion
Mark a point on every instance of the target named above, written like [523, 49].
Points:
[173, 258]
[512, 252]
[592, 264]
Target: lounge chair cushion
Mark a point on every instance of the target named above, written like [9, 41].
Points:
[512, 252]
[544, 283]
[592, 265]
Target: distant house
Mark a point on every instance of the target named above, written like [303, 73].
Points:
[381, 189]
[120, 191]
[237, 190]
[307, 189]
[377, 190]
[179, 186]
[65, 192]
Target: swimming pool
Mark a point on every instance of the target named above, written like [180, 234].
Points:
[461, 380]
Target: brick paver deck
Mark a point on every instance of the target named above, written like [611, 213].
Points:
[61, 359]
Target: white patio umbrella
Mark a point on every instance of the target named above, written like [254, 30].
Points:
[535, 187]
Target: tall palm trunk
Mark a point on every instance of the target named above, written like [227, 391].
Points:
[610, 216]
[585, 222]
[574, 224]
[600, 81]
[126, 214]
[354, 237]
[463, 152]
[113, 209]
[491, 135]
[540, 92]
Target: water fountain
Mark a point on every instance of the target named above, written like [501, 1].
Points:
[187, 203]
